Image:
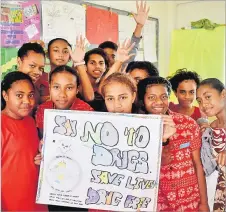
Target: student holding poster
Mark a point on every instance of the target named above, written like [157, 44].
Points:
[182, 182]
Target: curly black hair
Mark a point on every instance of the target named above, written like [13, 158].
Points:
[183, 74]
[145, 65]
[142, 85]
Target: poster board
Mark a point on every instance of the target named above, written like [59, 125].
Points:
[100, 160]
[20, 22]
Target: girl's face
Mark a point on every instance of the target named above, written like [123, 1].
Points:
[96, 66]
[58, 53]
[63, 90]
[156, 99]
[186, 93]
[19, 99]
[32, 64]
[210, 100]
[118, 98]
[139, 74]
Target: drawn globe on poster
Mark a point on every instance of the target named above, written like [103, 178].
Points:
[63, 174]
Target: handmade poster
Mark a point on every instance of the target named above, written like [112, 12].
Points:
[19, 22]
[11, 25]
[100, 160]
[61, 19]
[32, 20]
[101, 25]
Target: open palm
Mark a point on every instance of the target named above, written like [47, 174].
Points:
[142, 13]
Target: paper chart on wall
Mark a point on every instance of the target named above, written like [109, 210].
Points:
[62, 19]
[149, 39]
[126, 27]
[100, 160]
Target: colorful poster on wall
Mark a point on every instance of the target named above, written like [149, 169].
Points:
[101, 25]
[11, 25]
[100, 160]
[61, 19]
[31, 18]
[19, 23]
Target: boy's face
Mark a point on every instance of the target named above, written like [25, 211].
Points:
[19, 99]
[186, 93]
[63, 90]
[96, 66]
[138, 74]
[156, 99]
[118, 98]
[110, 55]
[58, 53]
[32, 64]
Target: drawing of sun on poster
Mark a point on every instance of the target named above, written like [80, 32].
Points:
[100, 160]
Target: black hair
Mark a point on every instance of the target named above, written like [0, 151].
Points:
[108, 44]
[23, 51]
[214, 83]
[98, 51]
[183, 74]
[9, 79]
[64, 68]
[145, 65]
[142, 85]
[55, 39]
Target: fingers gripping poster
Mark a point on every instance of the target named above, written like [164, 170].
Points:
[100, 160]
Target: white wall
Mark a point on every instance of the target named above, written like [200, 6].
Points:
[196, 10]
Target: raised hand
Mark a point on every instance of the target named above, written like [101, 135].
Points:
[142, 12]
[78, 54]
[122, 53]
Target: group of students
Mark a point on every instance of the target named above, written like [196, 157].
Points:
[107, 79]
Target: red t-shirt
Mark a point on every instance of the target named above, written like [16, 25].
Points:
[19, 173]
[195, 115]
[78, 104]
[178, 185]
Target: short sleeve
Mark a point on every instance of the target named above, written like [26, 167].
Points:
[195, 130]
[39, 117]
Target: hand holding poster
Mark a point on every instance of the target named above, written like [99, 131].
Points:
[100, 160]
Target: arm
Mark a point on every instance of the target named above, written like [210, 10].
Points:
[140, 18]
[77, 56]
[201, 180]
[85, 88]
[122, 55]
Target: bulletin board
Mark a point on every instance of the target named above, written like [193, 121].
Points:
[69, 18]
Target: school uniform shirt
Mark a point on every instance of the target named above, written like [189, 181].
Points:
[19, 173]
[178, 185]
[78, 104]
[195, 115]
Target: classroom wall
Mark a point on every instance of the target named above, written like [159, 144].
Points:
[181, 13]
[195, 10]
[158, 9]
[173, 15]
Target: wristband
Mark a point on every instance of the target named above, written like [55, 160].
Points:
[165, 143]
[79, 63]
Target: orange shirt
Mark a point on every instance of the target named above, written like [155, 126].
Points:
[178, 185]
[19, 173]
